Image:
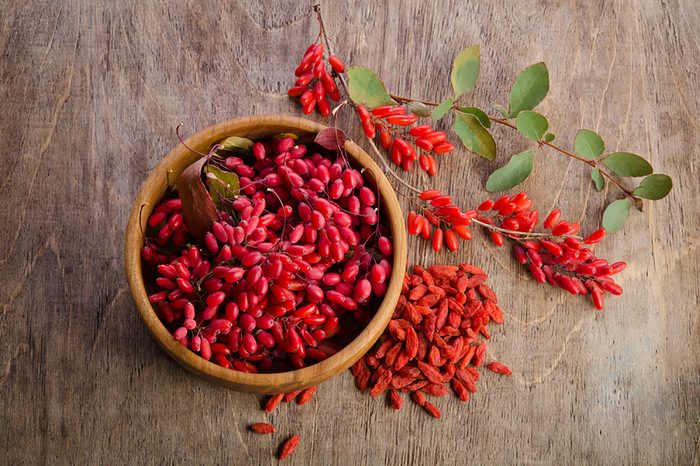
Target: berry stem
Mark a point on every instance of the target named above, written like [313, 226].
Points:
[518, 235]
[387, 168]
[317, 9]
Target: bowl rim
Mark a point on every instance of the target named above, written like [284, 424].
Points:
[158, 181]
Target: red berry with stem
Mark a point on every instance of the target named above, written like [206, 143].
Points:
[337, 64]
[552, 219]
[595, 237]
[437, 240]
[451, 240]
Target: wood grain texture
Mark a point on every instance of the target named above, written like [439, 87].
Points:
[91, 93]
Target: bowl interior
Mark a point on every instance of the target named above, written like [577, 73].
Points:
[154, 189]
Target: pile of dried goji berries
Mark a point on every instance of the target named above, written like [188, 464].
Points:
[432, 342]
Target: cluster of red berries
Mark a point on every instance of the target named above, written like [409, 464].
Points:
[440, 221]
[314, 82]
[510, 213]
[385, 121]
[556, 256]
[291, 269]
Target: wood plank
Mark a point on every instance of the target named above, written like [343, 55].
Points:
[91, 94]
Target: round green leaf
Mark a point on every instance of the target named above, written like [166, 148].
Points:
[479, 114]
[419, 108]
[500, 109]
[465, 70]
[532, 125]
[366, 88]
[588, 144]
[598, 179]
[616, 214]
[442, 109]
[531, 86]
[654, 187]
[627, 164]
[474, 136]
[222, 184]
[513, 173]
[236, 144]
[549, 137]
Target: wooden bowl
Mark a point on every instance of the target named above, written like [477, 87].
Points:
[153, 190]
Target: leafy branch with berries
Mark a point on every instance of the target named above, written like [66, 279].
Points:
[556, 255]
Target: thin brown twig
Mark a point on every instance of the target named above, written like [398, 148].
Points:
[387, 168]
[317, 9]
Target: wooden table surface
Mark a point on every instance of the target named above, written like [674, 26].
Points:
[91, 93]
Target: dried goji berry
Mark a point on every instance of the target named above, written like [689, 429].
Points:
[262, 428]
[395, 399]
[499, 368]
[288, 447]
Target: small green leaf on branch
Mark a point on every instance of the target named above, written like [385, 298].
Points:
[366, 88]
[442, 109]
[531, 124]
[479, 114]
[513, 173]
[654, 187]
[616, 214]
[598, 179]
[588, 144]
[628, 164]
[474, 136]
[549, 137]
[465, 70]
[531, 86]
[418, 108]
[501, 110]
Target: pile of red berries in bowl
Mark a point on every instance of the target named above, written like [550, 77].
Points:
[293, 266]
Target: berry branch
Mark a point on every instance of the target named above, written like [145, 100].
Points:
[556, 256]
[503, 121]
[388, 113]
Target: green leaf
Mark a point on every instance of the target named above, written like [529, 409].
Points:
[465, 70]
[501, 109]
[366, 88]
[549, 137]
[419, 108]
[513, 173]
[474, 136]
[532, 125]
[598, 179]
[222, 184]
[236, 144]
[628, 164]
[654, 187]
[588, 144]
[531, 86]
[479, 114]
[616, 214]
[442, 109]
